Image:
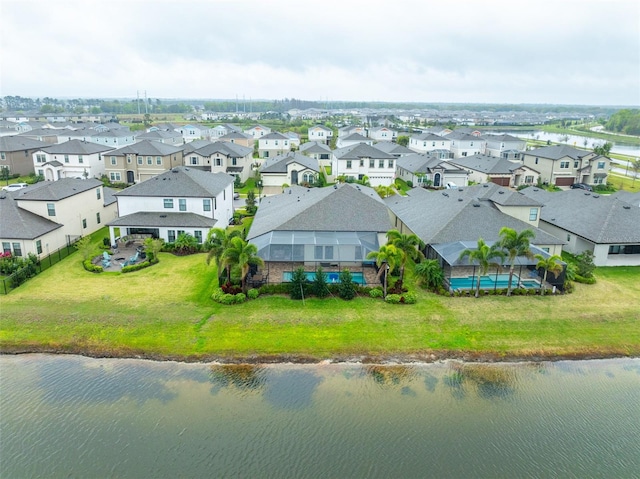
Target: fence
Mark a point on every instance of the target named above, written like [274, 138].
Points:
[9, 283]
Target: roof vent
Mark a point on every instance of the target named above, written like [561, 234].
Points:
[459, 199]
[536, 189]
[186, 169]
[501, 192]
[587, 193]
[596, 196]
[486, 185]
[175, 170]
[626, 207]
[445, 194]
[476, 205]
[289, 191]
[163, 216]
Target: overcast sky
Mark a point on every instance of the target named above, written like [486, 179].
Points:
[540, 51]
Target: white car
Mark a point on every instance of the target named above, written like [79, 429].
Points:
[14, 186]
[452, 186]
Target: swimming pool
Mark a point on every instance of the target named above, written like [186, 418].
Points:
[492, 282]
[332, 277]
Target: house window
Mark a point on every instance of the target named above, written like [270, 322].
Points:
[51, 209]
[193, 160]
[41, 172]
[424, 143]
[39, 246]
[6, 248]
[198, 235]
[98, 194]
[66, 158]
[218, 162]
[139, 160]
[180, 232]
[568, 237]
[372, 163]
[149, 160]
[464, 153]
[576, 163]
[114, 176]
[80, 160]
[433, 143]
[328, 252]
[564, 164]
[318, 252]
[546, 250]
[528, 179]
[182, 204]
[168, 203]
[348, 164]
[84, 223]
[113, 160]
[129, 159]
[234, 161]
[206, 204]
[98, 218]
[158, 160]
[361, 162]
[380, 163]
[3, 156]
[171, 236]
[601, 165]
[17, 249]
[276, 142]
[533, 214]
[40, 158]
[390, 163]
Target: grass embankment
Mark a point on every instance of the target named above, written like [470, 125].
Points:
[165, 312]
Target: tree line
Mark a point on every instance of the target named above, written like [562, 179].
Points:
[625, 121]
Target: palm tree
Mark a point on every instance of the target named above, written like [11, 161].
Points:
[515, 244]
[389, 256]
[243, 254]
[430, 273]
[483, 254]
[551, 264]
[407, 245]
[218, 240]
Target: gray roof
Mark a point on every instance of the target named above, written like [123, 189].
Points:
[322, 127]
[557, 152]
[632, 198]
[236, 135]
[145, 219]
[109, 195]
[393, 148]
[457, 215]
[314, 147]
[600, 219]
[428, 136]
[146, 147]
[487, 164]
[344, 207]
[278, 164]
[503, 137]
[17, 223]
[56, 190]
[181, 181]
[421, 163]
[159, 135]
[361, 150]
[76, 147]
[225, 148]
[355, 137]
[274, 136]
[18, 143]
[462, 136]
[194, 145]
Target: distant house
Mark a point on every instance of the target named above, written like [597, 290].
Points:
[382, 133]
[113, 138]
[294, 138]
[464, 144]
[360, 160]
[273, 144]
[393, 149]
[195, 132]
[257, 131]
[351, 129]
[221, 157]
[222, 130]
[238, 138]
[140, 161]
[353, 139]
[181, 200]
[168, 137]
[423, 170]
[16, 153]
[563, 165]
[483, 168]
[71, 159]
[499, 145]
[428, 142]
[47, 216]
[320, 133]
[607, 226]
[318, 150]
[311, 227]
[290, 169]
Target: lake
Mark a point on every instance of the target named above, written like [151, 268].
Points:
[70, 416]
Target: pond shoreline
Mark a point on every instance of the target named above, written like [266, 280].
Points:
[400, 358]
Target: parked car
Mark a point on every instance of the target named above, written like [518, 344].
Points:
[14, 186]
[581, 186]
[451, 186]
[236, 196]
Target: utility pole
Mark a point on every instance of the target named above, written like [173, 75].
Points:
[146, 104]
[138, 100]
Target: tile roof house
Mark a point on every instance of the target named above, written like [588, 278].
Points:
[290, 169]
[180, 200]
[607, 226]
[563, 165]
[426, 170]
[222, 157]
[427, 142]
[360, 160]
[16, 153]
[498, 145]
[239, 138]
[257, 131]
[318, 150]
[484, 168]
[464, 144]
[273, 144]
[311, 227]
[140, 161]
[393, 149]
[71, 159]
[382, 134]
[168, 137]
[47, 216]
[353, 139]
[320, 133]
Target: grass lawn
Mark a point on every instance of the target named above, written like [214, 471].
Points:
[165, 311]
[626, 183]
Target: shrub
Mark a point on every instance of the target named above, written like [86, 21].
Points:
[375, 293]
[409, 298]
[346, 287]
[397, 288]
[229, 288]
[584, 264]
[568, 287]
[584, 280]
[393, 298]
[319, 285]
[240, 298]
[409, 183]
[136, 267]
[217, 295]
[227, 299]
[276, 288]
[93, 268]
[253, 293]
[298, 286]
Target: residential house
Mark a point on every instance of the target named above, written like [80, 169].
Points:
[426, 170]
[46, 135]
[140, 161]
[222, 130]
[71, 159]
[257, 131]
[113, 138]
[504, 146]
[273, 144]
[464, 144]
[180, 200]
[362, 160]
[288, 169]
[194, 132]
[563, 165]
[393, 149]
[221, 157]
[47, 216]
[484, 168]
[239, 138]
[382, 133]
[351, 129]
[320, 133]
[607, 226]
[317, 150]
[311, 227]
[16, 153]
[294, 139]
[428, 142]
[352, 140]
[168, 137]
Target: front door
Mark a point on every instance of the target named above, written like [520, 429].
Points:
[130, 177]
[437, 180]
[294, 177]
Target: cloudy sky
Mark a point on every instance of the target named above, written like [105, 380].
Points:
[518, 51]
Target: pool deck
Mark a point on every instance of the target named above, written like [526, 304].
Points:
[275, 271]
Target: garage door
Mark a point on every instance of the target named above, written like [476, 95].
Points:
[565, 181]
[501, 181]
